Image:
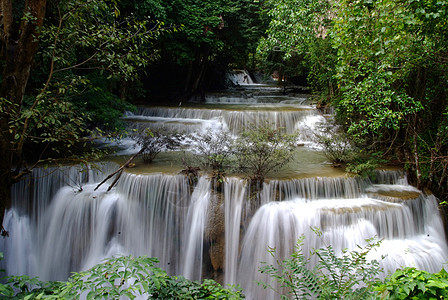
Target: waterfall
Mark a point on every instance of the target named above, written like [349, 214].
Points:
[196, 221]
[183, 120]
[71, 221]
[152, 217]
[59, 223]
[144, 215]
[240, 77]
[157, 215]
[234, 193]
[410, 230]
[235, 121]
[275, 225]
[19, 248]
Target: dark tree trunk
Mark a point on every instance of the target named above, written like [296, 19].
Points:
[189, 76]
[5, 168]
[20, 43]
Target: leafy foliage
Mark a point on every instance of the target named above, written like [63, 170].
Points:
[383, 66]
[25, 287]
[295, 278]
[82, 44]
[88, 46]
[296, 41]
[125, 276]
[347, 276]
[216, 35]
[410, 283]
[201, 23]
[339, 148]
[392, 75]
[264, 149]
[245, 23]
[364, 164]
[350, 275]
[93, 35]
[379, 111]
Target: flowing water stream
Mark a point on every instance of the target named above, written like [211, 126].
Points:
[59, 224]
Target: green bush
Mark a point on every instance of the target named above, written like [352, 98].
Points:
[214, 149]
[336, 145]
[264, 149]
[119, 278]
[347, 276]
[152, 142]
[101, 105]
[410, 283]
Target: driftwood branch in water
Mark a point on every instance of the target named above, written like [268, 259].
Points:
[119, 171]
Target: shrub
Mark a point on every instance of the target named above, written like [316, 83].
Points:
[364, 164]
[338, 148]
[335, 144]
[264, 149]
[122, 277]
[214, 149]
[348, 276]
[154, 141]
[410, 283]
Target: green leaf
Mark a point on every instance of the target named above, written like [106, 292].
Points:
[438, 284]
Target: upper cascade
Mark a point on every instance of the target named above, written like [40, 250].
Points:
[240, 77]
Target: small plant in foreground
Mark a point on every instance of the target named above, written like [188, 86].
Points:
[120, 278]
[410, 283]
[347, 276]
[25, 287]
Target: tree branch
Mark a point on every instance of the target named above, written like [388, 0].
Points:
[119, 170]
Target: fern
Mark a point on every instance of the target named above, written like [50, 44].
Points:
[346, 276]
[293, 276]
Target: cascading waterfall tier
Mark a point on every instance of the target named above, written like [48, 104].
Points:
[347, 213]
[78, 227]
[233, 112]
[188, 120]
[158, 215]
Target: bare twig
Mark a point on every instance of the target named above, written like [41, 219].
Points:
[119, 170]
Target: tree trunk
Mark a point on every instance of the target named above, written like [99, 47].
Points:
[189, 76]
[5, 168]
[20, 44]
[418, 171]
[199, 78]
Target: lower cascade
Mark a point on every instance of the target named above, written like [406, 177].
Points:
[59, 223]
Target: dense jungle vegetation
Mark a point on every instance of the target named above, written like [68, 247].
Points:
[70, 69]
[382, 66]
